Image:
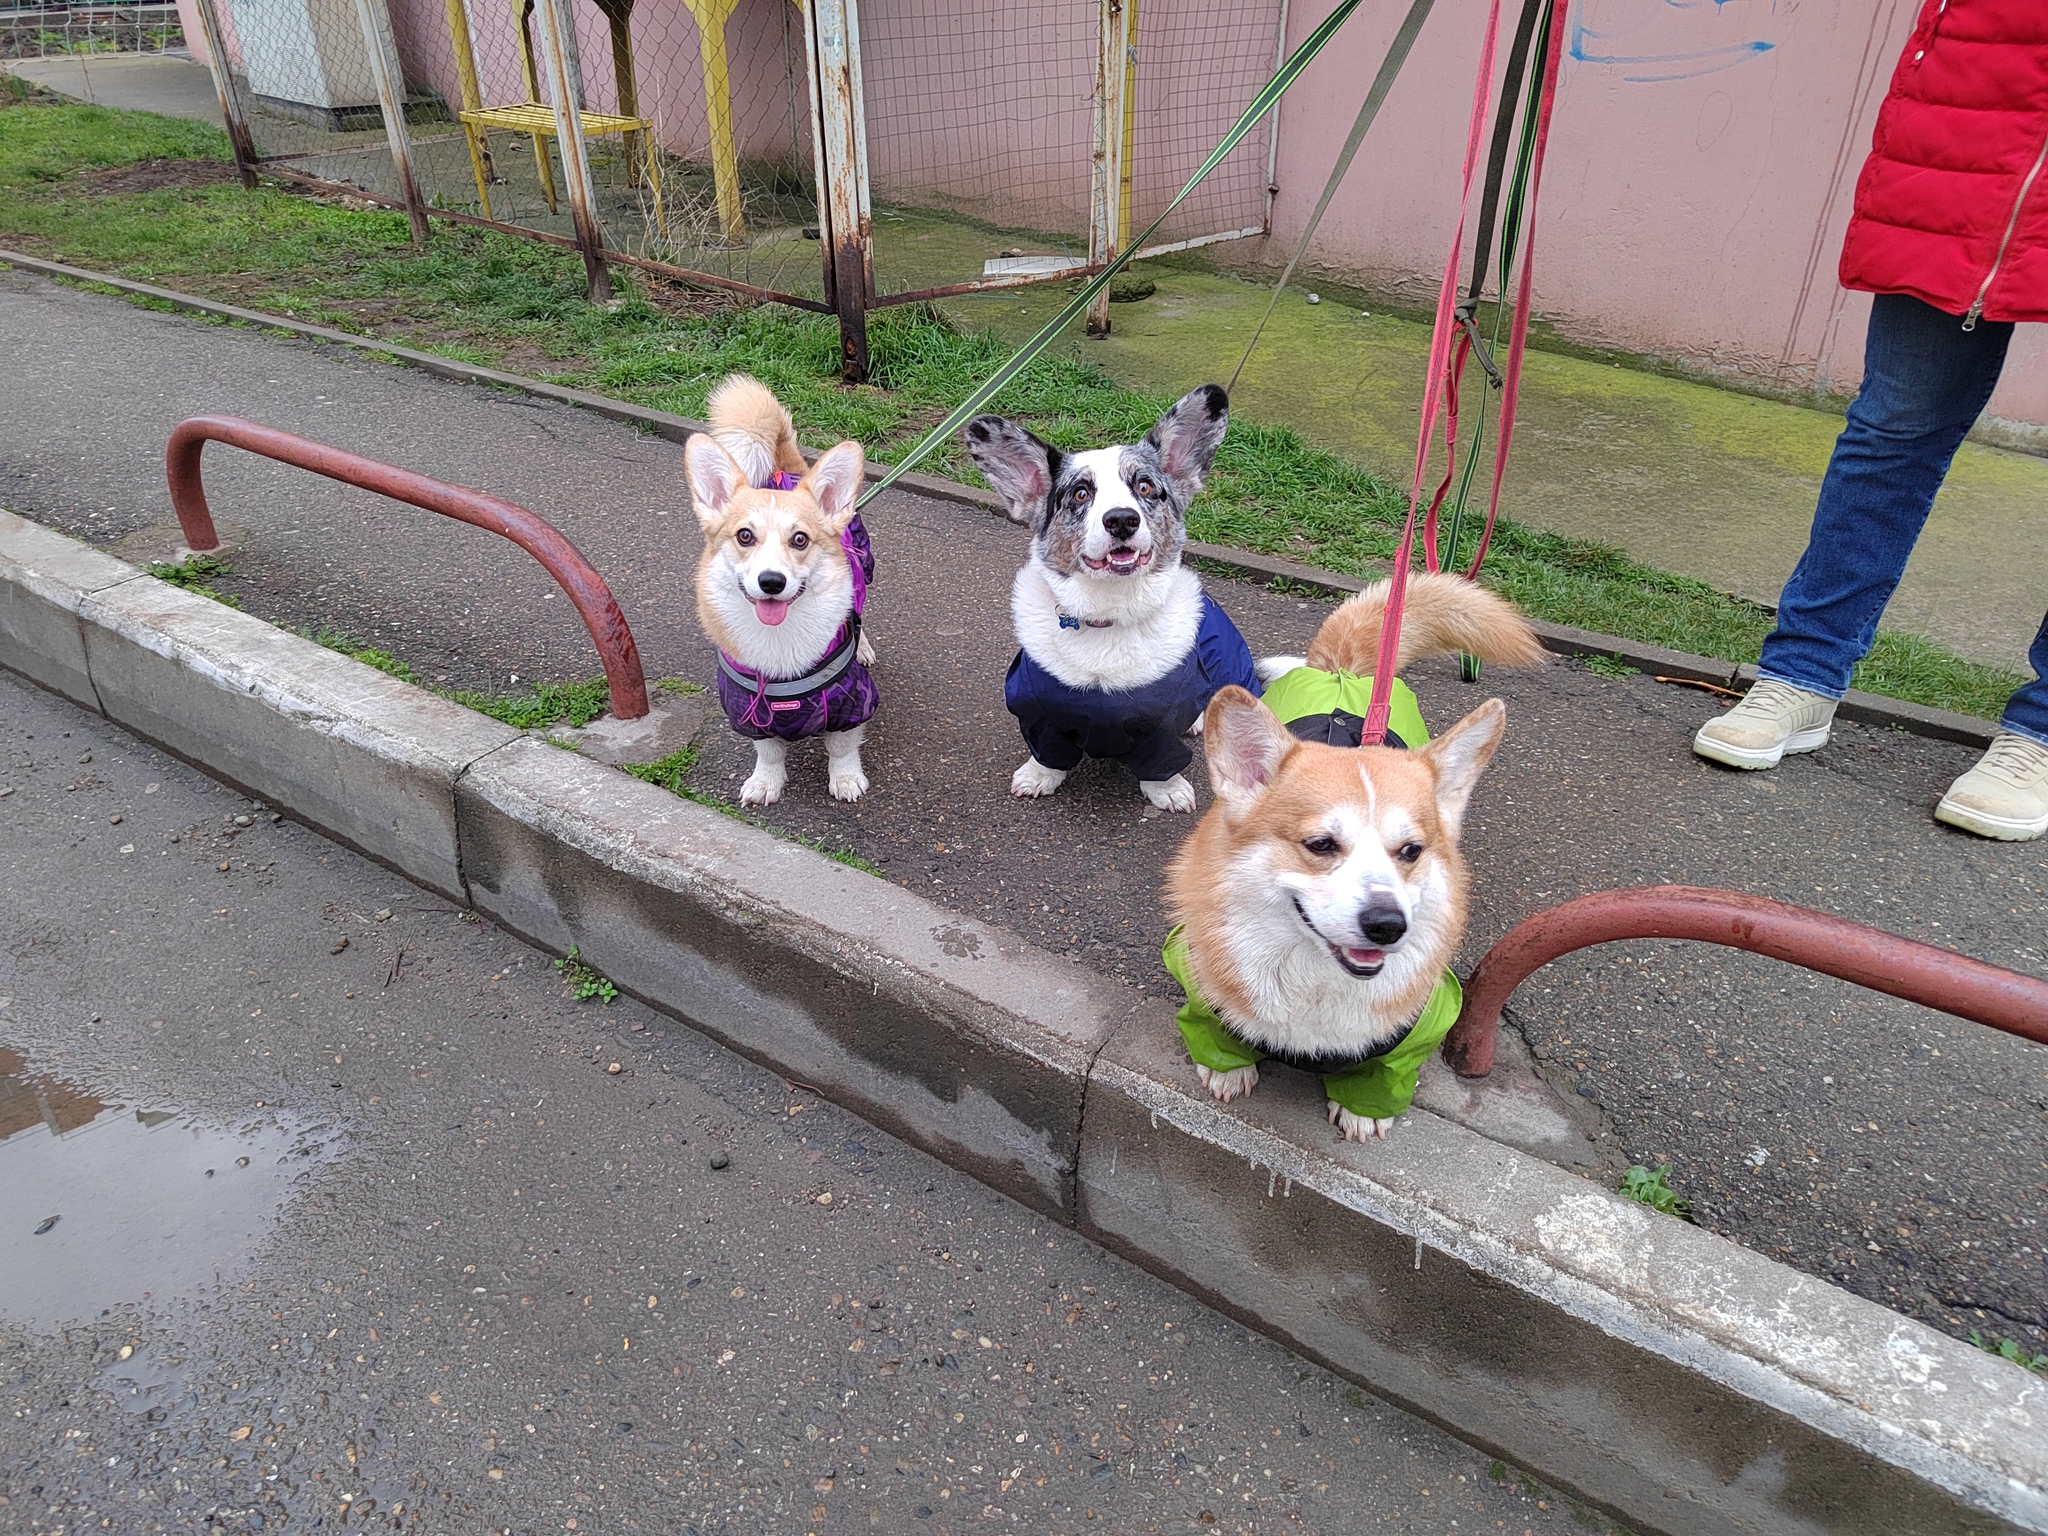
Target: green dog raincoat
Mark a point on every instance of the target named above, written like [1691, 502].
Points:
[1329, 707]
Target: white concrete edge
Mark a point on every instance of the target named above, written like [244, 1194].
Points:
[1989, 1450]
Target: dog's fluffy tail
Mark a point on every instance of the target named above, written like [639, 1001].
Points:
[1443, 615]
[750, 424]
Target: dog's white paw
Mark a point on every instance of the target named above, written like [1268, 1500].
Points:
[1174, 794]
[1271, 667]
[864, 652]
[763, 787]
[848, 781]
[1358, 1127]
[1033, 778]
[1233, 1084]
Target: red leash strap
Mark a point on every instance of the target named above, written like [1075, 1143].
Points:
[1446, 367]
[1375, 729]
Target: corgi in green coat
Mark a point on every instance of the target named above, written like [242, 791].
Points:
[1319, 902]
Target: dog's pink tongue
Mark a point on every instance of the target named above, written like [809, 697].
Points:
[1365, 956]
[769, 610]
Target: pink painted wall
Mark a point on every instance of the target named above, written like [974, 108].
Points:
[1700, 171]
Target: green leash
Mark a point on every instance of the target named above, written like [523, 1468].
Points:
[989, 388]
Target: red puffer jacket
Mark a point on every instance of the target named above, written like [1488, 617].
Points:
[1952, 205]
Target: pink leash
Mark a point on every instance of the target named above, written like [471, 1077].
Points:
[1440, 391]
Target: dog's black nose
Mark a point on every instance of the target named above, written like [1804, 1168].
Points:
[1121, 524]
[772, 582]
[1382, 924]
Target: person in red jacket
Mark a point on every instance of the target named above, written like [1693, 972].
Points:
[1950, 231]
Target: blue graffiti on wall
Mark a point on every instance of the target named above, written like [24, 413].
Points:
[1657, 40]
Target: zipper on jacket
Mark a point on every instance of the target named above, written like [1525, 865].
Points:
[2011, 224]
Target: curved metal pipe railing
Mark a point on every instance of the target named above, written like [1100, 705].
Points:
[1919, 973]
[600, 611]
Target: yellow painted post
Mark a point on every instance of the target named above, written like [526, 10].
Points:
[472, 100]
[711, 17]
[1123, 208]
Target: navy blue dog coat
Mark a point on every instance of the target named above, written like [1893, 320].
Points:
[1143, 728]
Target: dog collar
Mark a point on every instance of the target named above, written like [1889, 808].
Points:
[1071, 621]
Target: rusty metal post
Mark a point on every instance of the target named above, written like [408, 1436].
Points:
[230, 94]
[845, 223]
[382, 49]
[561, 559]
[1920, 973]
[565, 88]
[1106, 189]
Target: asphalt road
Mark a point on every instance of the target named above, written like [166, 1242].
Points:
[1896, 1151]
[397, 1235]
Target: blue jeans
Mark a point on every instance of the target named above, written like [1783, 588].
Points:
[1925, 381]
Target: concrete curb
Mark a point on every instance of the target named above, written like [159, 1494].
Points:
[1866, 708]
[1682, 1382]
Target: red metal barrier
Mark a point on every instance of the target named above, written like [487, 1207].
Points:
[1870, 957]
[540, 539]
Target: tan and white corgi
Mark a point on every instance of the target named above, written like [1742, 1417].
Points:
[782, 587]
[1321, 899]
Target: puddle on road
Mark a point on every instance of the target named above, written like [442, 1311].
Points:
[105, 1203]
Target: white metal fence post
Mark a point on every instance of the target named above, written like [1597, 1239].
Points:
[832, 31]
[565, 86]
[382, 50]
[1105, 202]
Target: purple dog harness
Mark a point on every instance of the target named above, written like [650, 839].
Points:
[835, 695]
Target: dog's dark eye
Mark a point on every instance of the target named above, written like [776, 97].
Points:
[799, 540]
[1321, 847]
[744, 538]
[1145, 487]
[1409, 853]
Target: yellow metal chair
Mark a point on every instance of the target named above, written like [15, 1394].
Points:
[536, 119]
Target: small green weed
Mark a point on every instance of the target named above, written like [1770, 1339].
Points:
[1653, 1188]
[194, 574]
[681, 687]
[2010, 1349]
[582, 981]
[670, 772]
[1610, 666]
[368, 655]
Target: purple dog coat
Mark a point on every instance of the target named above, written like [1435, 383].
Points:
[835, 695]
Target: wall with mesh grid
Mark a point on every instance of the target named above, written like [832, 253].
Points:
[1198, 64]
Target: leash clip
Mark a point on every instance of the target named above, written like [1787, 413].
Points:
[1479, 350]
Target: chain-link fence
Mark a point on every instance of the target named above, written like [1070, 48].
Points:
[980, 143]
[43, 31]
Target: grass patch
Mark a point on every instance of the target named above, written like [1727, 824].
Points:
[1609, 666]
[1652, 1187]
[572, 704]
[497, 299]
[584, 983]
[195, 574]
[670, 772]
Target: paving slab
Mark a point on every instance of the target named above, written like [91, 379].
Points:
[1893, 1151]
[175, 85]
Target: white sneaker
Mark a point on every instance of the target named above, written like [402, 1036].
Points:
[1773, 718]
[2005, 796]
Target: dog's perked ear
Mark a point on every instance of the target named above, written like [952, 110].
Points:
[1020, 465]
[1460, 755]
[1186, 438]
[834, 483]
[1244, 742]
[715, 477]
